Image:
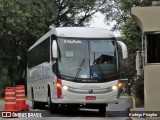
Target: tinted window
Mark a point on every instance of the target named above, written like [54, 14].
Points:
[153, 48]
[39, 54]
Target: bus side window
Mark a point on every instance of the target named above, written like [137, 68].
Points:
[39, 54]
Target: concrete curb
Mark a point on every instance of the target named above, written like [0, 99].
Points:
[134, 102]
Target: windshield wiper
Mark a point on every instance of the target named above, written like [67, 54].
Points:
[79, 69]
[67, 76]
[59, 51]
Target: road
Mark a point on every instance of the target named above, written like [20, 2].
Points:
[82, 114]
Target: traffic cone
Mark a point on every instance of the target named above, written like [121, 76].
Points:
[10, 103]
[20, 98]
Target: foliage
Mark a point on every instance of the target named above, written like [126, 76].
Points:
[75, 12]
[138, 88]
[23, 22]
[132, 38]
[120, 10]
[4, 82]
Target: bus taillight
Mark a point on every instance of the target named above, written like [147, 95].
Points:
[59, 88]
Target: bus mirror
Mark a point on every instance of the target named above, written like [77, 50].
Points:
[124, 49]
[54, 49]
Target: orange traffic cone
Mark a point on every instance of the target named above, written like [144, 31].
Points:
[10, 110]
[20, 98]
[10, 103]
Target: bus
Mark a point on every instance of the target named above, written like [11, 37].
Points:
[75, 67]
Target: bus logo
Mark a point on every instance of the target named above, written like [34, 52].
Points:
[90, 91]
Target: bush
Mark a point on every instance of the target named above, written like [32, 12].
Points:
[4, 82]
[138, 88]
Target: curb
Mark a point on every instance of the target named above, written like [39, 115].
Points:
[126, 97]
[134, 102]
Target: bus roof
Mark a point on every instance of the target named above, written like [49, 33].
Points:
[83, 32]
[76, 32]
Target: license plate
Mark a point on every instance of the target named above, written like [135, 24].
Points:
[90, 98]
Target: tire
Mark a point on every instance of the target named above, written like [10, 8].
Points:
[53, 108]
[102, 110]
[35, 104]
[42, 105]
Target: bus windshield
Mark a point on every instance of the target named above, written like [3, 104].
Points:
[82, 59]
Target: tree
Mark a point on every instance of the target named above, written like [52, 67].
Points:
[74, 12]
[120, 11]
[23, 22]
[13, 25]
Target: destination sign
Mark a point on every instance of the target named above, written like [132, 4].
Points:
[73, 41]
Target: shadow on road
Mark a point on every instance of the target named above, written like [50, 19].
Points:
[65, 112]
[80, 113]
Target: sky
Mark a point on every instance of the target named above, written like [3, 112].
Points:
[98, 21]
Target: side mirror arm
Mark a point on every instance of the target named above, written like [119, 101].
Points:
[54, 49]
[124, 49]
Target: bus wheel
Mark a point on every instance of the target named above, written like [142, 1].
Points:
[102, 110]
[53, 108]
[34, 103]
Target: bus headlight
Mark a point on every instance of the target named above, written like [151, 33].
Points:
[65, 87]
[114, 87]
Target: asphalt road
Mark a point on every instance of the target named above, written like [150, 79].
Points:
[82, 114]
